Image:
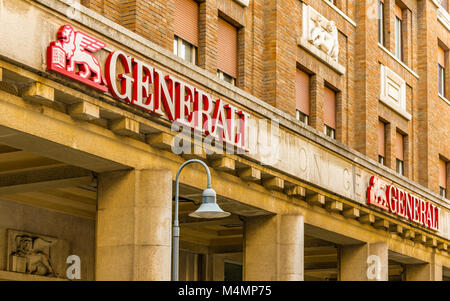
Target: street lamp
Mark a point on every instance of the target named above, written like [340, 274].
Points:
[208, 209]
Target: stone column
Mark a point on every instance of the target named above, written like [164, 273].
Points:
[425, 272]
[368, 262]
[273, 248]
[134, 217]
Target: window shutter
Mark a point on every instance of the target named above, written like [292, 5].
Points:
[441, 57]
[186, 20]
[398, 12]
[227, 48]
[399, 146]
[329, 107]
[442, 174]
[302, 91]
[381, 139]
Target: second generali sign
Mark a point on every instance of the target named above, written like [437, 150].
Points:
[401, 203]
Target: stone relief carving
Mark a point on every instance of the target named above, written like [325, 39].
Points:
[320, 32]
[35, 254]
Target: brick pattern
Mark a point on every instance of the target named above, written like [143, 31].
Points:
[268, 56]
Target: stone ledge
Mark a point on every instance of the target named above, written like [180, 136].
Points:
[398, 61]
[321, 56]
[244, 3]
[13, 276]
[397, 109]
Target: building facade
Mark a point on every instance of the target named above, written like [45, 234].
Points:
[326, 126]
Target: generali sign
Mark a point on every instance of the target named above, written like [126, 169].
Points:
[401, 203]
[146, 87]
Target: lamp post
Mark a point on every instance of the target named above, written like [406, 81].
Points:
[208, 209]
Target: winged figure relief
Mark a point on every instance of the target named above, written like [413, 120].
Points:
[35, 252]
[78, 48]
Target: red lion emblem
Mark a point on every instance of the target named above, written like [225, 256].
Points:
[74, 49]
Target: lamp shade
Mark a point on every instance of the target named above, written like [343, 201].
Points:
[209, 207]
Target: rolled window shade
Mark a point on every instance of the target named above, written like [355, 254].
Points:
[186, 20]
[302, 91]
[381, 139]
[398, 12]
[329, 108]
[441, 57]
[444, 4]
[227, 48]
[399, 146]
[442, 174]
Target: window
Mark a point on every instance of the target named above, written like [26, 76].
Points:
[227, 52]
[442, 178]
[329, 109]
[185, 50]
[302, 85]
[381, 142]
[302, 117]
[381, 22]
[229, 79]
[399, 154]
[232, 271]
[398, 32]
[185, 43]
[441, 71]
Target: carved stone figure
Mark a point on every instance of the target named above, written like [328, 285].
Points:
[324, 35]
[32, 256]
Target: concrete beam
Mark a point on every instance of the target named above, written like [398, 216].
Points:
[381, 224]
[296, 192]
[367, 219]
[161, 140]
[125, 126]
[420, 238]
[431, 242]
[274, 183]
[84, 111]
[224, 164]
[398, 229]
[46, 178]
[442, 246]
[334, 206]
[250, 174]
[40, 93]
[316, 199]
[409, 234]
[351, 213]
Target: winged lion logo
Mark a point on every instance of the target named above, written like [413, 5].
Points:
[74, 50]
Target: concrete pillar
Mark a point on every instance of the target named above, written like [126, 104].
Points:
[425, 272]
[134, 217]
[273, 248]
[368, 262]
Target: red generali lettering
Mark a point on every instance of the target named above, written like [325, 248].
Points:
[135, 82]
[402, 203]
